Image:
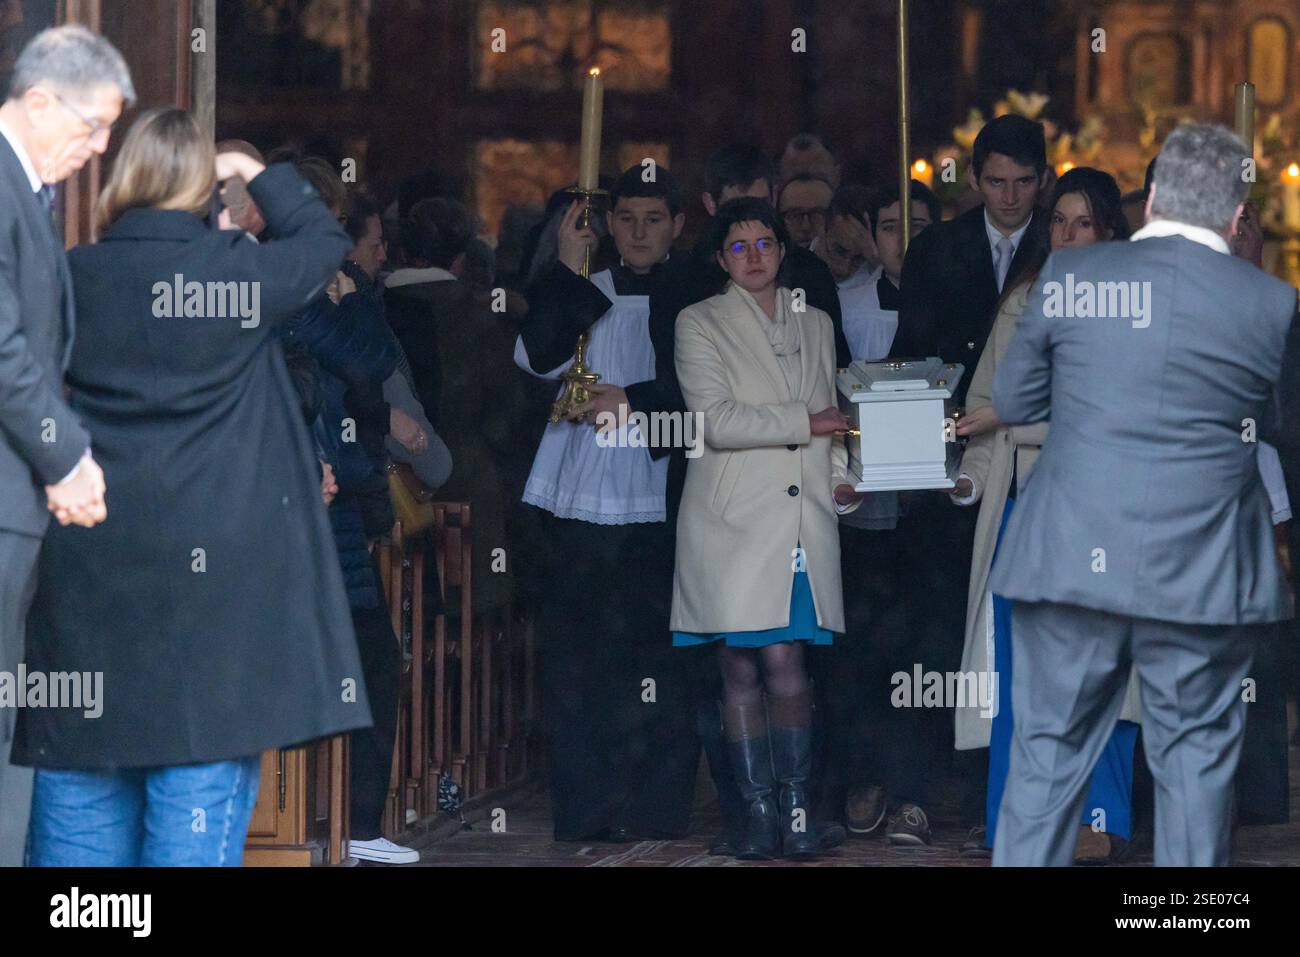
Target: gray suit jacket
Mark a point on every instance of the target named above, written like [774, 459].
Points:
[40, 437]
[1146, 500]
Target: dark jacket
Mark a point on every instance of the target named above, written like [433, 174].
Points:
[445, 331]
[949, 290]
[357, 352]
[36, 321]
[211, 599]
[362, 492]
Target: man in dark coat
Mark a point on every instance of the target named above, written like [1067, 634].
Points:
[69, 86]
[955, 271]
[212, 603]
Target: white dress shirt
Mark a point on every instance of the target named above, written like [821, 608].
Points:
[28, 166]
[869, 329]
[995, 236]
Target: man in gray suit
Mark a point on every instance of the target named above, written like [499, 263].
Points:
[67, 90]
[1143, 537]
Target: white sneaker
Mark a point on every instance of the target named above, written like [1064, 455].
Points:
[383, 851]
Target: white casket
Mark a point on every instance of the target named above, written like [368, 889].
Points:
[902, 436]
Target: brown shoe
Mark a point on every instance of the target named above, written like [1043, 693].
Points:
[909, 827]
[864, 810]
[1092, 847]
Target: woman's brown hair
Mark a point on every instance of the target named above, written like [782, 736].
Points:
[165, 163]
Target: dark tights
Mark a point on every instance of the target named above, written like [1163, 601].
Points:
[746, 671]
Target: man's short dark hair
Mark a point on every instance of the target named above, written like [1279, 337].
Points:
[359, 210]
[887, 195]
[425, 185]
[436, 231]
[739, 164]
[745, 209]
[1015, 136]
[633, 182]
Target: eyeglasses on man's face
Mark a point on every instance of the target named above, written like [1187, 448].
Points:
[96, 126]
[740, 249]
[798, 215]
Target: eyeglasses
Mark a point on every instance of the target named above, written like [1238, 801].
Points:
[740, 249]
[809, 215]
[96, 126]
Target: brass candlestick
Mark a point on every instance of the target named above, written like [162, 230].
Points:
[577, 377]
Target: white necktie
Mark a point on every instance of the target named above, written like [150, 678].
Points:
[1005, 252]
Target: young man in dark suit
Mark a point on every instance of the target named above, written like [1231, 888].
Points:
[953, 276]
[955, 271]
[68, 88]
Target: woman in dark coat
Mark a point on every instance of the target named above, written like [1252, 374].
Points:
[211, 599]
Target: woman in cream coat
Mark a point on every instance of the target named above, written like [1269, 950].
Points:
[758, 558]
[1085, 209]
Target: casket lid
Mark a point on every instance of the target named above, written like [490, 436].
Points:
[901, 379]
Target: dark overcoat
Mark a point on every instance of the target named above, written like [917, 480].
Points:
[211, 599]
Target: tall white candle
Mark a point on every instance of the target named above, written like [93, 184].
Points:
[593, 96]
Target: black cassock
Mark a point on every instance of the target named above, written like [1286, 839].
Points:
[617, 760]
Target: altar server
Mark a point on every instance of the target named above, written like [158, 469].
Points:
[622, 747]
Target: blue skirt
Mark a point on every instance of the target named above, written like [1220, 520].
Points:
[1109, 806]
[802, 627]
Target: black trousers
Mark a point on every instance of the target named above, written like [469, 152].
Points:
[616, 696]
[372, 748]
[936, 539]
[1263, 789]
[867, 741]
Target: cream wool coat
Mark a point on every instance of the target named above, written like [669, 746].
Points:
[988, 461]
[739, 524]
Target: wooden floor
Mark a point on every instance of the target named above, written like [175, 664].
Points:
[526, 842]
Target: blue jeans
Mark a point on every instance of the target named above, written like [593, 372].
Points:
[190, 815]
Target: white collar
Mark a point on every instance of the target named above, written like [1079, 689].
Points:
[412, 277]
[1171, 227]
[995, 234]
[863, 277]
[28, 166]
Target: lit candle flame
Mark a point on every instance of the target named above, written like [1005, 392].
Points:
[1063, 168]
[1293, 171]
[594, 71]
[919, 167]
